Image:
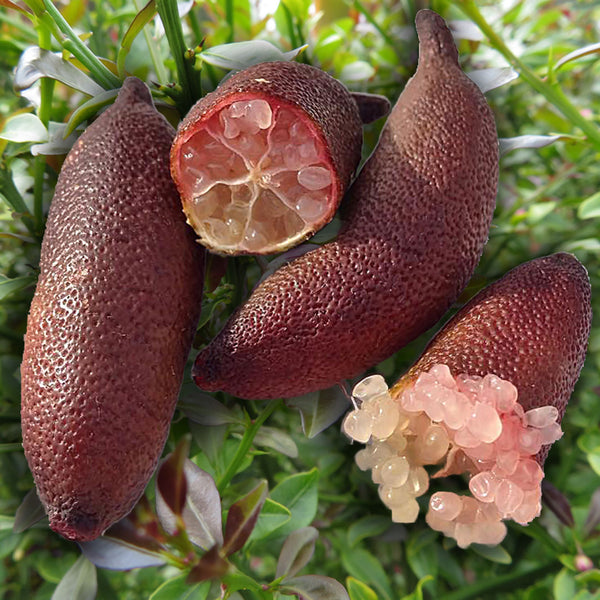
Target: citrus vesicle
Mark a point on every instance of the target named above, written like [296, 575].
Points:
[485, 399]
[256, 163]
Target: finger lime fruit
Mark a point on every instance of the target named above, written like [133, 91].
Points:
[111, 323]
[262, 162]
[415, 223]
[486, 398]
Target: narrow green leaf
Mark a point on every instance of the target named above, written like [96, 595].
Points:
[272, 517]
[577, 54]
[366, 527]
[358, 590]
[364, 566]
[143, 17]
[24, 128]
[204, 409]
[242, 517]
[298, 493]
[178, 589]
[10, 286]
[88, 109]
[315, 587]
[277, 439]
[496, 554]
[296, 552]
[79, 583]
[590, 207]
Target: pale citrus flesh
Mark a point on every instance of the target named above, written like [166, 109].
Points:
[256, 177]
[466, 424]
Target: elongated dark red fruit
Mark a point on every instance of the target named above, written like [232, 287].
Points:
[485, 399]
[415, 222]
[111, 322]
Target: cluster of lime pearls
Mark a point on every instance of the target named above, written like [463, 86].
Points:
[259, 176]
[475, 426]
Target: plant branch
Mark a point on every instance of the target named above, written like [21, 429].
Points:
[553, 94]
[245, 444]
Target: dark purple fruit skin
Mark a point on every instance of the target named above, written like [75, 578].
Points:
[111, 322]
[531, 328]
[415, 222]
[325, 100]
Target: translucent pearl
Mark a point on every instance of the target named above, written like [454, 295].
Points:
[394, 471]
[358, 425]
[541, 417]
[446, 505]
[433, 445]
[407, 513]
[369, 387]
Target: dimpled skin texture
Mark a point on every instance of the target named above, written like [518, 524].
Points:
[112, 320]
[531, 328]
[415, 223]
[325, 100]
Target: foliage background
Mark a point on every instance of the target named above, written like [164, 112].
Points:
[548, 201]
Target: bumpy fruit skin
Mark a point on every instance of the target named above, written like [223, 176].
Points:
[331, 109]
[111, 322]
[415, 223]
[531, 328]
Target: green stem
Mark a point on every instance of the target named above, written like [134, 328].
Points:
[553, 94]
[290, 24]
[188, 78]
[98, 71]
[159, 67]
[230, 18]
[245, 444]
[359, 6]
[39, 169]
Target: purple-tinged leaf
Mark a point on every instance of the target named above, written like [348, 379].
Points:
[557, 502]
[318, 410]
[202, 511]
[593, 517]
[118, 555]
[135, 541]
[36, 63]
[576, 54]
[210, 566]
[170, 480]
[465, 30]
[526, 142]
[30, 511]
[242, 517]
[276, 439]
[206, 410]
[296, 552]
[79, 582]
[371, 106]
[490, 79]
[314, 587]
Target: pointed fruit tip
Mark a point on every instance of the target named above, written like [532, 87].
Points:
[435, 39]
[134, 90]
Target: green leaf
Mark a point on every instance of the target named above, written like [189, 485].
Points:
[594, 460]
[30, 511]
[10, 286]
[359, 70]
[490, 79]
[526, 141]
[178, 589]
[88, 109]
[318, 410]
[296, 552]
[79, 583]
[24, 128]
[364, 566]
[315, 587]
[539, 211]
[298, 493]
[590, 207]
[576, 54]
[358, 590]
[421, 559]
[276, 439]
[204, 409]
[366, 527]
[564, 587]
[496, 554]
[241, 55]
[242, 517]
[418, 593]
[142, 18]
[36, 63]
[272, 516]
